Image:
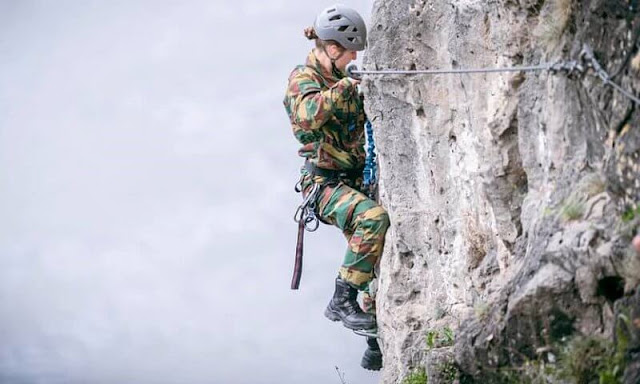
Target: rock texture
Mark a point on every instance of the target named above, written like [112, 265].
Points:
[506, 191]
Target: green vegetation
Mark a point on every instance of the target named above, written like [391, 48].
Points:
[417, 376]
[586, 359]
[440, 338]
[630, 214]
[481, 310]
[531, 372]
[574, 206]
[572, 210]
[583, 359]
[448, 373]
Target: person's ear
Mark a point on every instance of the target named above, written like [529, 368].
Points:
[333, 50]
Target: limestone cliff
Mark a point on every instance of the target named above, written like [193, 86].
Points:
[511, 195]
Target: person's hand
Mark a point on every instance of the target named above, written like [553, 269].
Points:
[352, 82]
[348, 87]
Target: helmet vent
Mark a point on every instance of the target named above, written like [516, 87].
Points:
[342, 28]
[336, 17]
[331, 10]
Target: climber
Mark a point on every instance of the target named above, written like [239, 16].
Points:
[327, 116]
[635, 242]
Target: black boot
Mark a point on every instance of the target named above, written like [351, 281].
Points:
[372, 359]
[344, 306]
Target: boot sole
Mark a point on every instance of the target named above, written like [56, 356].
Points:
[329, 314]
[333, 316]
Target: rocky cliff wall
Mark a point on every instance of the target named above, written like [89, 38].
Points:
[511, 195]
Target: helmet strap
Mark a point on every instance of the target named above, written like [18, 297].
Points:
[333, 59]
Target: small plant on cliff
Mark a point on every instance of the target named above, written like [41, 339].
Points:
[447, 333]
[587, 359]
[531, 372]
[417, 376]
[481, 310]
[572, 210]
[440, 338]
[575, 206]
[631, 214]
[582, 358]
[447, 373]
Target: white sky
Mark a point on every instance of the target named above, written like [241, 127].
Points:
[146, 195]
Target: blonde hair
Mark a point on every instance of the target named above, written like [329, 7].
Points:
[310, 33]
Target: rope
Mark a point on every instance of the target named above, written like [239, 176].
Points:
[623, 91]
[370, 164]
[587, 53]
[587, 60]
[542, 67]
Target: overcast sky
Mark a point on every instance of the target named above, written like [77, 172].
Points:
[146, 195]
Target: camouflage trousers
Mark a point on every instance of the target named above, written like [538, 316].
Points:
[363, 222]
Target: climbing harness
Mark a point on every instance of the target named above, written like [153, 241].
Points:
[305, 214]
[586, 61]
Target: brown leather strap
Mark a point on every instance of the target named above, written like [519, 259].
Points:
[297, 269]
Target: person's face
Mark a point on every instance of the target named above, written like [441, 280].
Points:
[345, 59]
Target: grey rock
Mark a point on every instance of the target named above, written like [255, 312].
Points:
[505, 190]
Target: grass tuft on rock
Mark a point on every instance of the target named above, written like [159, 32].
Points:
[439, 338]
[417, 376]
[573, 210]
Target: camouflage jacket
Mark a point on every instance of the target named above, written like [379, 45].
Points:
[327, 116]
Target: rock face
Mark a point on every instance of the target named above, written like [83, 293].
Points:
[510, 194]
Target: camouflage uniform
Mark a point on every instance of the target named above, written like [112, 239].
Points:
[327, 118]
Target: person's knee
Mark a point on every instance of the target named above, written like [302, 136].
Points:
[384, 220]
[372, 219]
[378, 218]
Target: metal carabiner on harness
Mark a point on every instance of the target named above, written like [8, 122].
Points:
[306, 211]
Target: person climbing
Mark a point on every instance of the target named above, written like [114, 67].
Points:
[327, 117]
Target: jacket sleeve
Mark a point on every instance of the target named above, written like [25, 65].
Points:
[310, 107]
